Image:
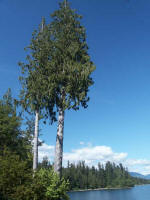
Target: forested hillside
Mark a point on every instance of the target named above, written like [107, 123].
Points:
[110, 175]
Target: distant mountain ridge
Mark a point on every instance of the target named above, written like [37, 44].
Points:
[138, 175]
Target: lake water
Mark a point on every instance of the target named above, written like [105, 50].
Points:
[136, 193]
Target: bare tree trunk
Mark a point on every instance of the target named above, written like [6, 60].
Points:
[36, 132]
[35, 145]
[59, 143]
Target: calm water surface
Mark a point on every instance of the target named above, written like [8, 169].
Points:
[136, 193]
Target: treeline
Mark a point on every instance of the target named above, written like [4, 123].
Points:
[109, 175]
[17, 179]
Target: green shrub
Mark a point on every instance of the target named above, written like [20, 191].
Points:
[48, 186]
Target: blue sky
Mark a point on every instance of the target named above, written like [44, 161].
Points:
[116, 124]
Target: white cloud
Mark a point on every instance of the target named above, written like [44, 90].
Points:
[138, 165]
[146, 170]
[81, 143]
[94, 154]
[46, 150]
[132, 162]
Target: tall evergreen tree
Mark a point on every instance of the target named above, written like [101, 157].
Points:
[33, 79]
[69, 68]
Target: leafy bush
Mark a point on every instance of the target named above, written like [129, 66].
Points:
[48, 186]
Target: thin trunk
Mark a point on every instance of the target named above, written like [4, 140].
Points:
[59, 143]
[36, 131]
[35, 145]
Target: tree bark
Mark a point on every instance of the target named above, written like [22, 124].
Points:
[59, 143]
[35, 145]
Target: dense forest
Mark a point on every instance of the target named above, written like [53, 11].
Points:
[110, 175]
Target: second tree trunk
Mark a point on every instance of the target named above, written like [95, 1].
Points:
[59, 143]
[35, 145]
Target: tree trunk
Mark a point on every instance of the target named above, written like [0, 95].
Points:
[59, 143]
[35, 145]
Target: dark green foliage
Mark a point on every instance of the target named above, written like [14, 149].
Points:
[111, 175]
[12, 137]
[69, 66]
[58, 68]
[57, 74]
[10, 133]
[35, 94]
[15, 152]
[16, 175]
[17, 182]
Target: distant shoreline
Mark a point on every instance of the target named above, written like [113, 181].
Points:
[117, 188]
[84, 190]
